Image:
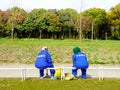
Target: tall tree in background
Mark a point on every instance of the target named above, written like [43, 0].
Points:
[1, 24]
[53, 23]
[62, 24]
[68, 20]
[28, 24]
[114, 20]
[86, 27]
[98, 17]
[15, 20]
[39, 22]
[7, 21]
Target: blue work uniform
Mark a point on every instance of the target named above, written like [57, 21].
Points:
[44, 61]
[80, 62]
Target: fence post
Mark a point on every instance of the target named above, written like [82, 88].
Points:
[63, 73]
[23, 73]
[100, 73]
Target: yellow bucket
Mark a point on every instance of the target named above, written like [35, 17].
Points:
[57, 74]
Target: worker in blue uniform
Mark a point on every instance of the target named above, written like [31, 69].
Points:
[80, 61]
[43, 61]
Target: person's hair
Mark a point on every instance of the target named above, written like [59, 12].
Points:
[44, 48]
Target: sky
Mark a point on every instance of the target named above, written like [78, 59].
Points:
[79, 5]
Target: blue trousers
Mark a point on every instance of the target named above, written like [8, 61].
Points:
[52, 71]
[83, 71]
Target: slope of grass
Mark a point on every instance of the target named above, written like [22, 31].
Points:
[26, 50]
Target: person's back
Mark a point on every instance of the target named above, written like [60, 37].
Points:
[80, 60]
[44, 61]
[41, 60]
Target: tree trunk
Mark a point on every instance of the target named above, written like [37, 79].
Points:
[106, 36]
[69, 34]
[12, 31]
[40, 34]
[92, 31]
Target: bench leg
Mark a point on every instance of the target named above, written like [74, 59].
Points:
[46, 72]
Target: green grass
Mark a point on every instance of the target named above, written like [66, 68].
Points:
[47, 84]
[26, 50]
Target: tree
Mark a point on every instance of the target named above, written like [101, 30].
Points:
[53, 23]
[114, 20]
[86, 27]
[68, 19]
[1, 23]
[7, 18]
[16, 17]
[29, 23]
[98, 17]
[39, 22]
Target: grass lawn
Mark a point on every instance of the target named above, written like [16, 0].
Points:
[47, 84]
[26, 50]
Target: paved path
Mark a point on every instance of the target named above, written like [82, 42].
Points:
[109, 71]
